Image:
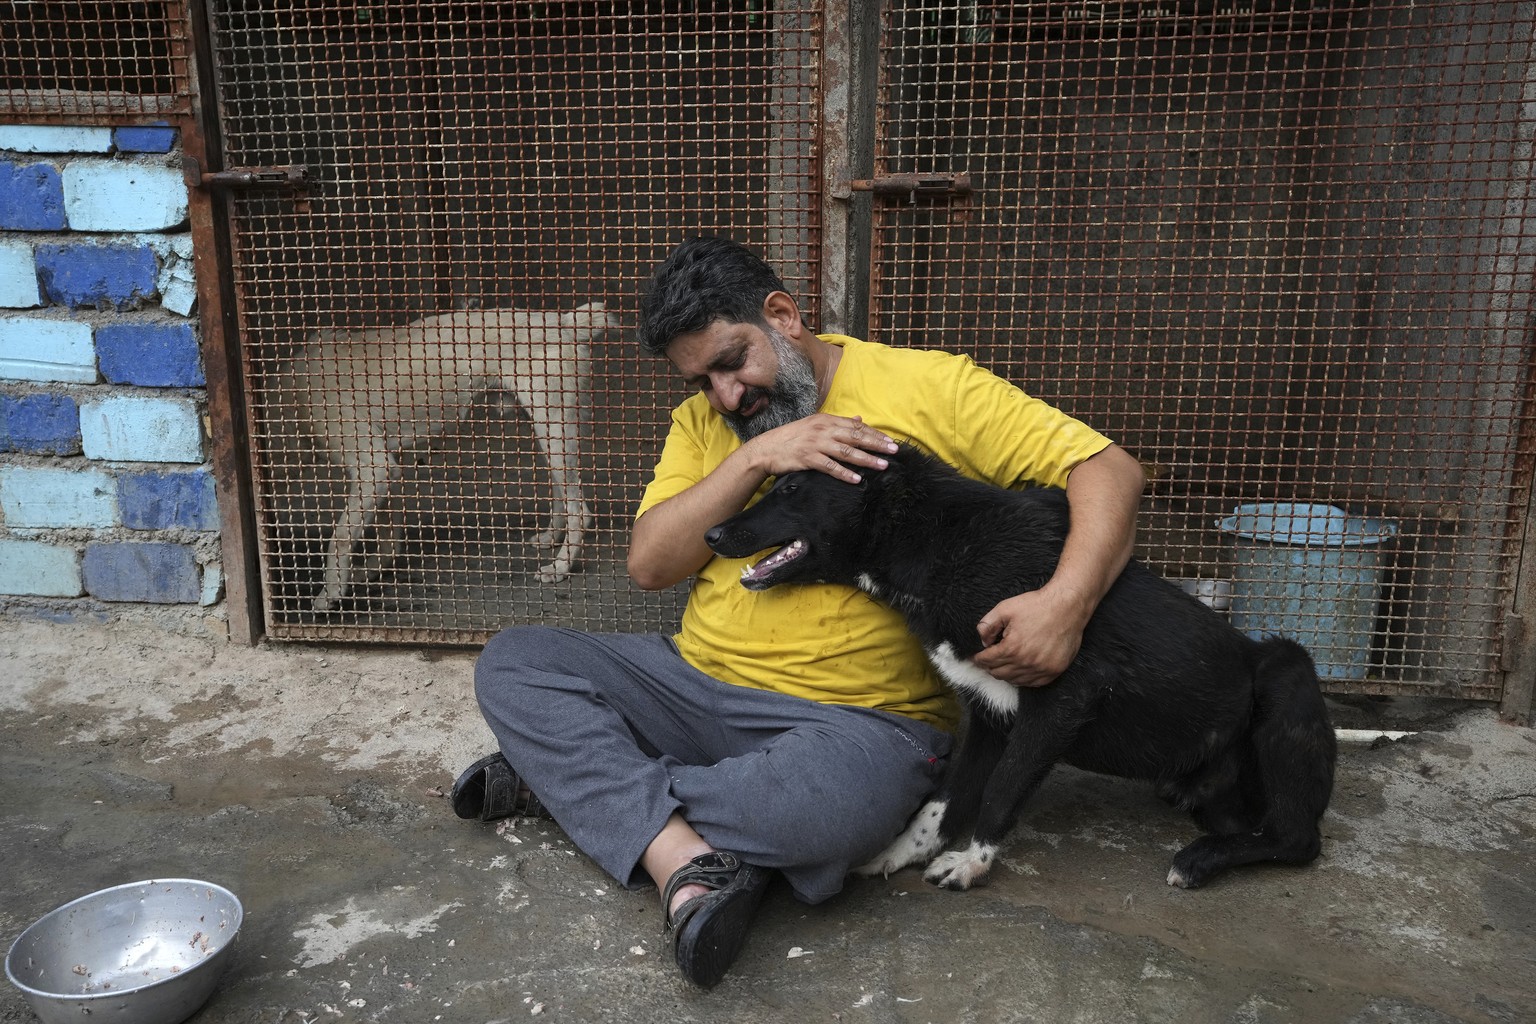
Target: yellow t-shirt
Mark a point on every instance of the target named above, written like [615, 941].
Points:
[833, 643]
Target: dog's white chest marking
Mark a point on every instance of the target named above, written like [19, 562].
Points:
[1000, 696]
[904, 603]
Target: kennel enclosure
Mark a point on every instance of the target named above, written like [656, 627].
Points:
[1281, 252]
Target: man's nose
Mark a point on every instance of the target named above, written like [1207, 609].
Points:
[730, 392]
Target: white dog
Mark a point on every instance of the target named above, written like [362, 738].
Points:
[373, 393]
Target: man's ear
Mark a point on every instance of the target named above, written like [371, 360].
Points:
[783, 314]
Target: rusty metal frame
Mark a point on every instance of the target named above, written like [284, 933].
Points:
[835, 235]
[209, 214]
[787, 221]
[1518, 640]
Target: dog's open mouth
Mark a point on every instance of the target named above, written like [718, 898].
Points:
[758, 576]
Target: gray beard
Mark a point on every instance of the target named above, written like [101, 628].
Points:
[793, 396]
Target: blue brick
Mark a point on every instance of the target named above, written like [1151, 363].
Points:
[38, 348]
[18, 275]
[155, 572]
[150, 355]
[53, 496]
[38, 569]
[47, 138]
[156, 138]
[136, 428]
[31, 197]
[120, 195]
[40, 424]
[96, 276]
[161, 501]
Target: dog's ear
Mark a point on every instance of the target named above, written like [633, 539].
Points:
[892, 484]
[903, 484]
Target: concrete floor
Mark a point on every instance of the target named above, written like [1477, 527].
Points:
[309, 781]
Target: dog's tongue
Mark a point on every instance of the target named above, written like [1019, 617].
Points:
[788, 553]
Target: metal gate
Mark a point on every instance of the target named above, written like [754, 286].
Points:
[1282, 252]
[404, 175]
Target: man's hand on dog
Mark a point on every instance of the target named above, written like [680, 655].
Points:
[821, 442]
[1029, 639]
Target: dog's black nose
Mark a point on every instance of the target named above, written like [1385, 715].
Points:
[712, 537]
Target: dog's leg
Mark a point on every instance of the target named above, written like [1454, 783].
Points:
[555, 426]
[952, 809]
[919, 841]
[1224, 795]
[1295, 750]
[370, 483]
[1038, 739]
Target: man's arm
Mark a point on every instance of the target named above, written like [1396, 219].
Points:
[667, 543]
[1033, 637]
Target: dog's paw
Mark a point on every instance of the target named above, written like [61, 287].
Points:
[890, 860]
[1202, 860]
[961, 869]
[920, 841]
[554, 572]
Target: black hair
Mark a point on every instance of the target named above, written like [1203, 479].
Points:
[703, 280]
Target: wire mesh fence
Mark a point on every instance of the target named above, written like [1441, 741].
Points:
[101, 63]
[430, 464]
[1283, 253]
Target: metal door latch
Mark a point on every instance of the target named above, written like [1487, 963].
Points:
[913, 186]
[294, 176]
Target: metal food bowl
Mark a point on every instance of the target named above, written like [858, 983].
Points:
[143, 953]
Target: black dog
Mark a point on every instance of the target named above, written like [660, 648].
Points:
[1163, 688]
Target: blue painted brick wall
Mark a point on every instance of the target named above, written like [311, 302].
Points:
[40, 424]
[156, 572]
[31, 197]
[163, 501]
[85, 274]
[150, 355]
[106, 494]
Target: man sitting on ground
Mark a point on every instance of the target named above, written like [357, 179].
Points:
[792, 730]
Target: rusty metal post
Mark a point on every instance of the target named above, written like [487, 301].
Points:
[1518, 659]
[838, 38]
[791, 157]
[226, 407]
[1517, 656]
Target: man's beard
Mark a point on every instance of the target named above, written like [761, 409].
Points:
[794, 394]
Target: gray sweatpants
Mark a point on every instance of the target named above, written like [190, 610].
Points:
[615, 732]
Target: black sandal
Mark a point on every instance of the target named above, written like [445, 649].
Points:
[490, 789]
[708, 931]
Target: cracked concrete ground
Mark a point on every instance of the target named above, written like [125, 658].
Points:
[308, 780]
